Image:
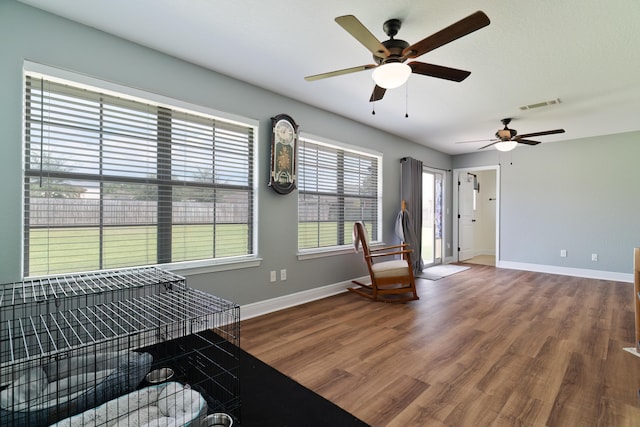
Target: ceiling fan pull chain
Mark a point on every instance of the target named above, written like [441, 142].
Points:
[406, 100]
[373, 106]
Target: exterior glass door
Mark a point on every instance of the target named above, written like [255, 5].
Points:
[432, 192]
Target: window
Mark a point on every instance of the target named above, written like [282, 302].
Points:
[112, 181]
[336, 187]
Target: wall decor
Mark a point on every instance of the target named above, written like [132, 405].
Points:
[284, 143]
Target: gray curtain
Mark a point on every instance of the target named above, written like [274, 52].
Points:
[411, 193]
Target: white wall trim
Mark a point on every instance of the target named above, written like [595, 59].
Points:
[567, 271]
[259, 308]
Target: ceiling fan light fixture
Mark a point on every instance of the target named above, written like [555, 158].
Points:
[505, 145]
[391, 75]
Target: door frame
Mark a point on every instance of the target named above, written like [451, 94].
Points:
[454, 216]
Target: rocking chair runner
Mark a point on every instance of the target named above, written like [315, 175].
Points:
[392, 280]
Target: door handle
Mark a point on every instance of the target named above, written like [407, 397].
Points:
[473, 220]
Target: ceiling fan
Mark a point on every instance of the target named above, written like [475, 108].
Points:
[391, 54]
[506, 139]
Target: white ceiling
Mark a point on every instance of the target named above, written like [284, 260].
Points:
[583, 52]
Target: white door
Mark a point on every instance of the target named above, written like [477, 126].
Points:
[466, 216]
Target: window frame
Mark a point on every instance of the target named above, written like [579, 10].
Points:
[347, 247]
[114, 89]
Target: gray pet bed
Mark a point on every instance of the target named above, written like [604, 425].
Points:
[165, 405]
[45, 394]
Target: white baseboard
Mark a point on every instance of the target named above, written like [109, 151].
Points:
[567, 271]
[259, 308]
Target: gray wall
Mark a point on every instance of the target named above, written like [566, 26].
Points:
[579, 195]
[28, 33]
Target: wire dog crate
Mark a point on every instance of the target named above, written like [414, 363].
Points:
[72, 347]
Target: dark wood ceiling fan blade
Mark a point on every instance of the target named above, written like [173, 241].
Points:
[465, 26]
[353, 26]
[527, 141]
[439, 71]
[547, 132]
[377, 94]
[339, 72]
[477, 140]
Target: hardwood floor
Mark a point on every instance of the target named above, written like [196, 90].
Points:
[484, 347]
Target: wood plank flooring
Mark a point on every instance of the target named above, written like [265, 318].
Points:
[484, 347]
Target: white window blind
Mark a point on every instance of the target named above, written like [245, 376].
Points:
[114, 182]
[336, 187]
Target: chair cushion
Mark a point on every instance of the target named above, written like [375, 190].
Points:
[397, 267]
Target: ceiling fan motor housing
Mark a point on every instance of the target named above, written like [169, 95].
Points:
[506, 134]
[395, 47]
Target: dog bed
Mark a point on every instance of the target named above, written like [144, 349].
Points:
[164, 405]
[45, 394]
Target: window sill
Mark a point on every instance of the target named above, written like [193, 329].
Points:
[321, 253]
[202, 267]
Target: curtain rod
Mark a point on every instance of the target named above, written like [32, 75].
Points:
[404, 159]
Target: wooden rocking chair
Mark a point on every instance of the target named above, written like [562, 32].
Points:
[392, 280]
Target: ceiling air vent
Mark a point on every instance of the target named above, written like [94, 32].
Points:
[540, 104]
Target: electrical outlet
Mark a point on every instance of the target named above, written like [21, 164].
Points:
[273, 276]
[594, 257]
[283, 274]
[563, 253]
